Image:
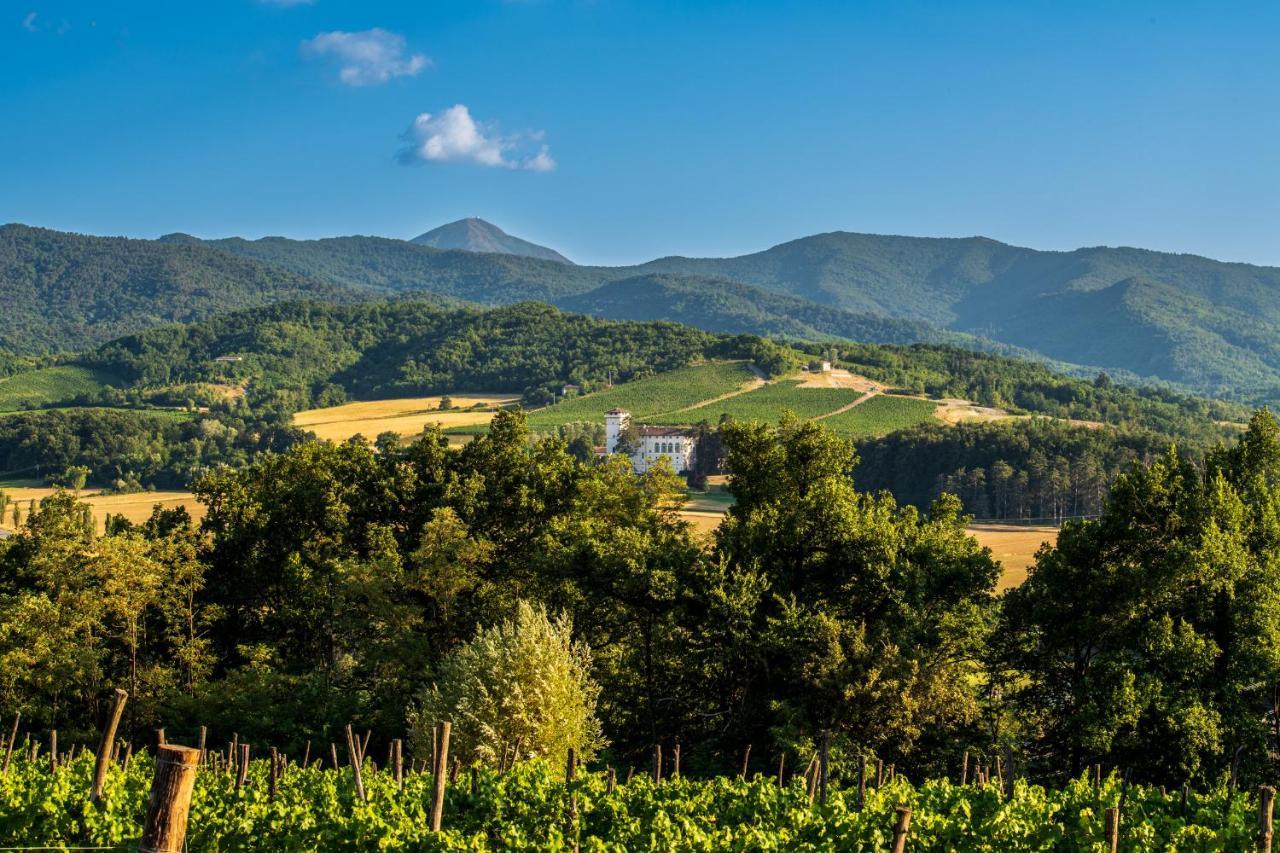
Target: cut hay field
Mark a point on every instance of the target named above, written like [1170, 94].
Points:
[1015, 546]
[646, 398]
[405, 416]
[34, 388]
[135, 507]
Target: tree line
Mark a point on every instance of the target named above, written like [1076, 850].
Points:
[330, 583]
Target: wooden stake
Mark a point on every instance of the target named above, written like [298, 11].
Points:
[13, 737]
[746, 757]
[657, 763]
[1266, 803]
[306, 756]
[53, 751]
[862, 781]
[165, 828]
[782, 769]
[631, 771]
[399, 762]
[204, 733]
[612, 782]
[879, 772]
[106, 743]
[333, 754]
[901, 829]
[353, 753]
[964, 768]
[159, 737]
[675, 762]
[242, 771]
[438, 783]
[1112, 829]
[822, 767]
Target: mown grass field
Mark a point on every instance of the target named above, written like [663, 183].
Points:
[49, 385]
[767, 404]
[405, 416]
[879, 416]
[646, 398]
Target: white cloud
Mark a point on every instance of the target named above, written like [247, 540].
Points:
[29, 23]
[452, 135]
[366, 58]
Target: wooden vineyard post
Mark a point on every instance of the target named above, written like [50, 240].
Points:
[106, 743]
[165, 828]
[475, 780]
[746, 757]
[1266, 804]
[353, 752]
[964, 768]
[398, 762]
[242, 770]
[879, 773]
[8, 750]
[657, 763]
[53, 751]
[438, 782]
[822, 767]
[275, 773]
[333, 755]
[570, 771]
[675, 762]
[782, 769]
[1112, 829]
[160, 737]
[612, 782]
[306, 756]
[862, 781]
[901, 829]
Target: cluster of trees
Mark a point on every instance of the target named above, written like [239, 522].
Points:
[335, 583]
[297, 354]
[129, 450]
[1035, 468]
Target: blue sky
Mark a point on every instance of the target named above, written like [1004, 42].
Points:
[619, 131]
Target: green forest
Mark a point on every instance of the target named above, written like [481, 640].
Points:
[334, 584]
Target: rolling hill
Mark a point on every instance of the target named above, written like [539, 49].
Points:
[69, 292]
[1199, 324]
[476, 235]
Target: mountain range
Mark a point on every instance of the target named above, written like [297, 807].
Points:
[1205, 325]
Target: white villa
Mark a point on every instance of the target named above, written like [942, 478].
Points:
[674, 443]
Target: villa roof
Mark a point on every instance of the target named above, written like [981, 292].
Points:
[616, 411]
[664, 432]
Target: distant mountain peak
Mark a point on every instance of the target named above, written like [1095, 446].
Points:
[475, 235]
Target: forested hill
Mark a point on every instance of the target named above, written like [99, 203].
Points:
[476, 235]
[295, 354]
[61, 292]
[1209, 325]
[1204, 325]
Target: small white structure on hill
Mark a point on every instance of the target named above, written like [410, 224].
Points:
[673, 443]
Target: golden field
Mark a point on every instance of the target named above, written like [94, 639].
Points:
[1013, 545]
[405, 416]
[135, 507]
